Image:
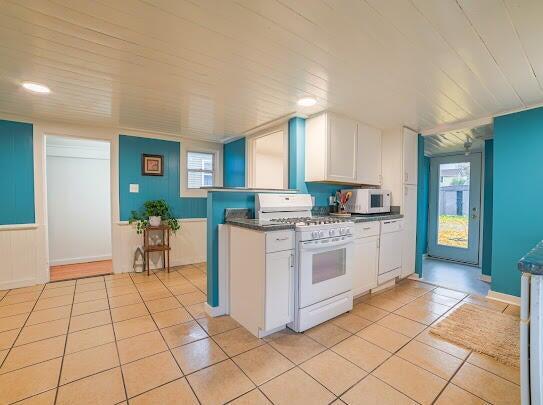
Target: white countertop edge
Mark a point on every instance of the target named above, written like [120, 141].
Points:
[18, 227]
[179, 220]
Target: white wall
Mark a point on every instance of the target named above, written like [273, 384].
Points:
[78, 200]
[24, 248]
[268, 160]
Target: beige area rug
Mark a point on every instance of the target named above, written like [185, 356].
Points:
[482, 330]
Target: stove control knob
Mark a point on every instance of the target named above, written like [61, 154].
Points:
[342, 231]
[315, 234]
[332, 232]
[348, 231]
[321, 234]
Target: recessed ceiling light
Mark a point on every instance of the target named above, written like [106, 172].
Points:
[307, 102]
[36, 87]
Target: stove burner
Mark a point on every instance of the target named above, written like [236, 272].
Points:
[307, 221]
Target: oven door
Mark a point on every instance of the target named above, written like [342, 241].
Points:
[325, 267]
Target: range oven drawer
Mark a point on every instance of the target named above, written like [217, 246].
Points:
[365, 229]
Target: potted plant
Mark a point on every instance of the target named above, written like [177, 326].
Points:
[154, 213]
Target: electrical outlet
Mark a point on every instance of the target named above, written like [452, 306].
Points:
[134, 188]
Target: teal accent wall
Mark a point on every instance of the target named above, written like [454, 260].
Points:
[234, 164]
[16, 173]
[423, 190]
[486, 265]
[217, 202]
[518, 192]
[296, 165]
[165, 187]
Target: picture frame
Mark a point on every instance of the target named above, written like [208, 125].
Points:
[152, 165]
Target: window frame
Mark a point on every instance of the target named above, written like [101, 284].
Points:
[213, 170]
[251, 153]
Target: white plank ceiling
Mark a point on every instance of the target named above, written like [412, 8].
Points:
[213, 69]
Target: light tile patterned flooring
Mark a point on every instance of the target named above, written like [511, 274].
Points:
[147, 340]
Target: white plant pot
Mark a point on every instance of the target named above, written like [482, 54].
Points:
[155, 221]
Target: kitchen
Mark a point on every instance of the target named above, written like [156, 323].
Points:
[300, 202]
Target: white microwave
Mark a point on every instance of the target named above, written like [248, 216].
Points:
[368, 201]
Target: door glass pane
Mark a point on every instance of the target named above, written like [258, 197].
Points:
[328, 265]
[453, 208]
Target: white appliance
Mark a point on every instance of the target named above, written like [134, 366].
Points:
[531, 338]
[368, 201]
[390, 250]
[324, 258]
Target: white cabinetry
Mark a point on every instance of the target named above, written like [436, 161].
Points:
[410, 229]
[366, 257]
[400, 176]
[339, 149]
[261, 279]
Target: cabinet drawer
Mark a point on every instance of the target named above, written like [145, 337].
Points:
[393, 225]
[279, 240]
[364, 229]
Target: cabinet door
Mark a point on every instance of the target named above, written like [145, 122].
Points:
[342, 140]
[410, 156]
[366, 256]
[279, 301]
[410, 230]
[368, 159]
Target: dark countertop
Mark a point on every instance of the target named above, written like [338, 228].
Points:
[532, 262]
[266, 225]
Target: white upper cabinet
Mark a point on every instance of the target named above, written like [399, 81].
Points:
[368, 164]
[410, 156]
[339, 149]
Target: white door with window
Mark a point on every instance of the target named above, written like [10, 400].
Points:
[454, 212]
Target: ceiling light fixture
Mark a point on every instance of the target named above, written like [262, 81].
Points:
[36, 87]
[307, 102]
[467, 146]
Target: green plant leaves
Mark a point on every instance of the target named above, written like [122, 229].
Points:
[153, 208]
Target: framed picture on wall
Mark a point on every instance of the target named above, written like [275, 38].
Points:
[152, 165]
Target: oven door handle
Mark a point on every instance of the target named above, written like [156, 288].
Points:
[311, 246]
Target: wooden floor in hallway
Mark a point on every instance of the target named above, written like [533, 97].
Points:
[81, 270]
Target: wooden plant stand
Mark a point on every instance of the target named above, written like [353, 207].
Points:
[164, 248]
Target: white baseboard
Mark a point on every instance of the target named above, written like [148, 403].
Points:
[76, 260]
[508, 299]
[413, 276]
[485, 278]
[24, 282]
[214, 311]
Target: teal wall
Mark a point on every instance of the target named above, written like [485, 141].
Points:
[518, 192]
[486, 262]
[16, 173]
[296, 163]
[423, 190]
[234, 164]
[165, 187]
[217, 202]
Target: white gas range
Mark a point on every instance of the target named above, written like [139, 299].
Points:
[324, 258]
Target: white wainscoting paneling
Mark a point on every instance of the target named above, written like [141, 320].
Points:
[189, 245]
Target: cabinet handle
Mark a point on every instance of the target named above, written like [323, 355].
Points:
[291, 260]
[366, 228]
[380, 179]
[406, 190]
[406, 176]
[280, 239]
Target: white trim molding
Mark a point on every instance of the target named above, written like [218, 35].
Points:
[18, 227]
[485, 278]
[214, 311]
[508, 299]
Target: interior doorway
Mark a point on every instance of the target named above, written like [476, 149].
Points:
[78, 207]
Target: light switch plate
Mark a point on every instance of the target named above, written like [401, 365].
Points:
[134, 188]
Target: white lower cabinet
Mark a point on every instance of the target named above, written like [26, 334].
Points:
[366, 264]
[261, 284]
[279, 301]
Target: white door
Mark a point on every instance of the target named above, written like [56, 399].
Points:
[366, 261]
[410, 156]
[279, 289]
[454, 211]
[341, 149]
[368, 159]
[410, 230]
[325, 269]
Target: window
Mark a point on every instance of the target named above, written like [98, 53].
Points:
[200, 169]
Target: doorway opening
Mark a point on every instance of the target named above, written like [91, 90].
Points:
[453, 257]
[78, 207]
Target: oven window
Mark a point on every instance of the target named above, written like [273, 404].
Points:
[376, 200]
[329, 265]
